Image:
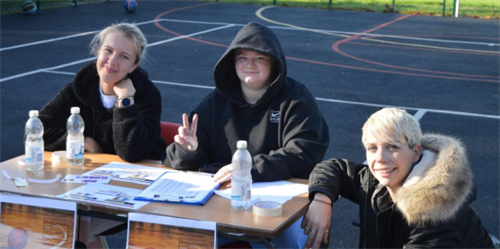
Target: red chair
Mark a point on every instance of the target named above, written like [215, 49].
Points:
[168, 131]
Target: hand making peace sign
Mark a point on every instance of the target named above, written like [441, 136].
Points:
[187, 135]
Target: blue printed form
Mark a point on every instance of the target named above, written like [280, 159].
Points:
[180, 187]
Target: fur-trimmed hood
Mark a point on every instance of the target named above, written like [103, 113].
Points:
[438, 185]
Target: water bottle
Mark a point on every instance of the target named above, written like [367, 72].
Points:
[75, 139]
[241, 180]
[33, 142]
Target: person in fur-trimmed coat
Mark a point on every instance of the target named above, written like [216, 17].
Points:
[414, 193]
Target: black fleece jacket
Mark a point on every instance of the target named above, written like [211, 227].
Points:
[430, 210]
[133, 132]
[285, 129]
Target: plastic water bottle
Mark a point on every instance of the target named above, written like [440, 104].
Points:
[75, 139]
[33, 142]
[241, 180]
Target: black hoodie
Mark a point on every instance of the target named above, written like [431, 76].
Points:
[133, 132]
[286, 133]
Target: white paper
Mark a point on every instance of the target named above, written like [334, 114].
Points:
[129, 172]
[38, 202]
[279, 191]
[86, 179]
[108, 195]
[179, 186]
[20, 182]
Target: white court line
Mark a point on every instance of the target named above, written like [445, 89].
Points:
[47, 41]
[273, 27]
[61, 38]
[420, 111]
[183, 84]
[339, 32]
[45, 69]
[193, 34]
[59, 72]
[412, 108]
[93, 58]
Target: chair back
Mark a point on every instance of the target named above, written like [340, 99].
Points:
[168, 131]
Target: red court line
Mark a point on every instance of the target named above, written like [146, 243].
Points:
[454, 36]
[387, 71]
[157, 24]
[335, 47]
[425, 49]
[306, 60]
[378, 27]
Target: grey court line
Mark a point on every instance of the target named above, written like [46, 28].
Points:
[273, 27]
[420, 111]
[93, 58]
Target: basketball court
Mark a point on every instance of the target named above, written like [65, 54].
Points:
[445, 71]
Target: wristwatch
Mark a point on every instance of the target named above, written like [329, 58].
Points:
[124, 102]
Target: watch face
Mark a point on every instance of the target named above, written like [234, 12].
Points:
[126, 102]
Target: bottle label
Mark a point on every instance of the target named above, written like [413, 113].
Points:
[74, 150]
[34, 154]
[241, 190]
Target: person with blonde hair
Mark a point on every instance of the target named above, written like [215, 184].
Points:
[120, 106]
[414, 191]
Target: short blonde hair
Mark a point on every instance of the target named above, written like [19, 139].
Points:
[393, 125]
[128, 30]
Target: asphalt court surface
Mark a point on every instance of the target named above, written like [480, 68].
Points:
[445, 71]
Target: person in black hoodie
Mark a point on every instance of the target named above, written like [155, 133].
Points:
[120, 107]
[414, 192]
[255, 101]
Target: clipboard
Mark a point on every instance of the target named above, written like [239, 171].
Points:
[181, 187]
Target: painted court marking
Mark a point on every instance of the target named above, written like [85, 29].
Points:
[420, 111]
[419, 114]
[287, 27]
[93, 58]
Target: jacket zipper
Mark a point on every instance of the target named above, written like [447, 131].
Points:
[389, 225]
[366, 206]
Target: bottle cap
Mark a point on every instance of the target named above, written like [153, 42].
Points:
[59, 157]
[33, 113]
[75, 109]
[267, 208]
[241, 144]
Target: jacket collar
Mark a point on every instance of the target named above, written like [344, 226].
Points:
[438, 185]
[86, 84]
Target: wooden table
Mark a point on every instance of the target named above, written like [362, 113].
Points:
[217, 209]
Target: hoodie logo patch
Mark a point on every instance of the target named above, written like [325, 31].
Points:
[274, 116]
